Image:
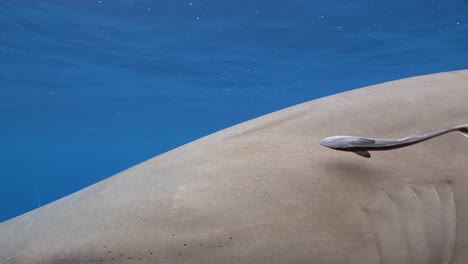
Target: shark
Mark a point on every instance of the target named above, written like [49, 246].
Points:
[362, 145]
[265, 192]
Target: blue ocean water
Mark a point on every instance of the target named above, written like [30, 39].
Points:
[89, 88]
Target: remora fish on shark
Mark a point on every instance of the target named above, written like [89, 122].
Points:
[362, 145]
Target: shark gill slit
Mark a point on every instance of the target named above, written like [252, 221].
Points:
[374, 234]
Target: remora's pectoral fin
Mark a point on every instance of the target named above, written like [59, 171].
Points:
[463, 134]
[363, 153]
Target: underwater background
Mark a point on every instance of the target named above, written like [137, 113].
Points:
[89, 88]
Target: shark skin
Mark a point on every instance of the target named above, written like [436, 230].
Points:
[266, 191]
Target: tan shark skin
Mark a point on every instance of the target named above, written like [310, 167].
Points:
[265, 191]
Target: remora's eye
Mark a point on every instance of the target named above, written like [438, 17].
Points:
[365, 141]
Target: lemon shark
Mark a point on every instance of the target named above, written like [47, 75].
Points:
[266, 191]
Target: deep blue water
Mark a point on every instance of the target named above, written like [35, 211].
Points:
[89, 88]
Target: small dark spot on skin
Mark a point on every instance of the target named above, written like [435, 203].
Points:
[129, 258]
[201, 245]
[219, 245]
[139, 258]
[173, 234]
[101, 260]
[113, 258]
[185, 245]
[449, 181]
[230, 238]
[165, 258]
[180, 255]
[151, 253]
[104, 246]
[109, 251]
[121, 256]
[86, 257]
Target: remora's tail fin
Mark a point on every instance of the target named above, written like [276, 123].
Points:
[463, 129]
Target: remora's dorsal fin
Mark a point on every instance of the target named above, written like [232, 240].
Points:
[363, 153]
